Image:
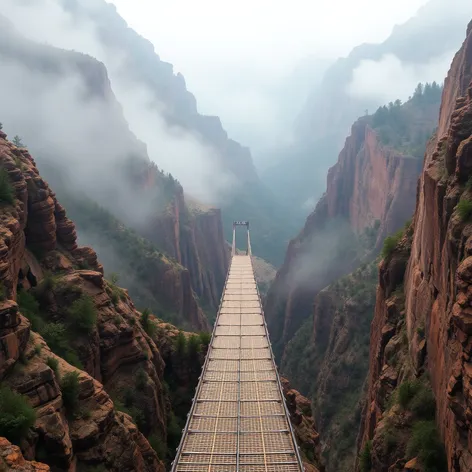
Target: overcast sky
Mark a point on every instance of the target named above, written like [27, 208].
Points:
[269, 33]
[230, 51]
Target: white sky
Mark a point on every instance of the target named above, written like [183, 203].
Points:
[272, 33]
[231, 51]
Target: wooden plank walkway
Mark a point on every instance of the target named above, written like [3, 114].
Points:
[239, 421]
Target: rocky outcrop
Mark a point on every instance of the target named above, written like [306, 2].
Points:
[436, 281]
[11, 458]
[86, 325]
[303, 423]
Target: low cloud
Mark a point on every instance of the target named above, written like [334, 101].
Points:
[173, 149]
[314, 264]
[390, 79]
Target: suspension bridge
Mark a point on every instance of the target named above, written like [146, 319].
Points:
[239, 421]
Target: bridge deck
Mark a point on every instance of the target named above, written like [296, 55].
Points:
[239, 421]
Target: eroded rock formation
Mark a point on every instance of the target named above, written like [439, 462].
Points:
[432, 268]
[304, 425]
[88, 325]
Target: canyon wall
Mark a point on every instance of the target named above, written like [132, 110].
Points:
[371, 189]
[430, 272]
[41, 270]
[321, 304]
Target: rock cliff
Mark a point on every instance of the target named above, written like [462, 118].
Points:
[72, 343]
[370, 193]
[428, 326]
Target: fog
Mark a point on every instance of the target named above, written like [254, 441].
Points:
[243, 62]
[390, 79]
[171, 148]
[313, 264]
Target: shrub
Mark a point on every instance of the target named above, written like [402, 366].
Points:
[464, 209]
[53, 364]
[114, 278]
[391, 243]
[135, 412]
[7, 194]
[205, 338]
[426, 445]
[47, 284]
[365, 458]
[17, 416]
[194, 346]
[37, 349]
[146, 322]
[29, 307]
[70, 391]
[55, 336]
[407, 391]
[22, 358]
[17, 141]
[84, 314]
[390, 438]
[181, 343]
[174, 431]
[423, 405]
[83, 265]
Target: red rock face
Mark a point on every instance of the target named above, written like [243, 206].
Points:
[303, 423]
[36, 239]
[372, 182]
[369, 182]
[195, 240]
[438, 278]
[11, 458]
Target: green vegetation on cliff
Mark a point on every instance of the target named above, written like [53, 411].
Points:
[408, 127]
[17, 416]
[136, 261]
[331, 362]
[6, 189]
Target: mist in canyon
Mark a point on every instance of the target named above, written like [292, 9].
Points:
[340, 131]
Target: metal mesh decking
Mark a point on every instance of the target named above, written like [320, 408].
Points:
[238, 421]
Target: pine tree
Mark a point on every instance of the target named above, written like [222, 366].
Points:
[17, 141]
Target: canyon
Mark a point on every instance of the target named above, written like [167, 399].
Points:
[112, 269]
